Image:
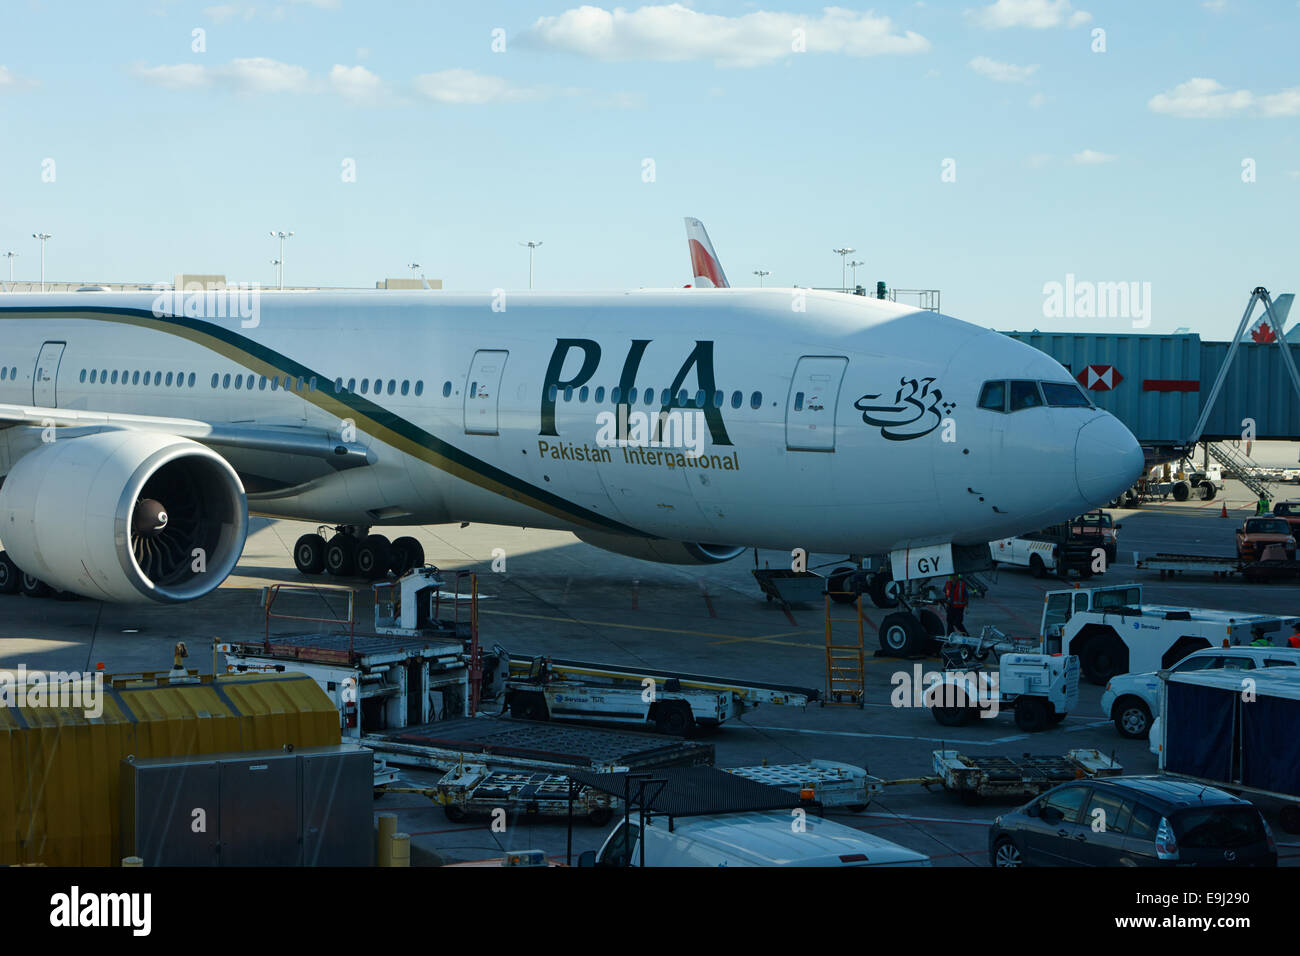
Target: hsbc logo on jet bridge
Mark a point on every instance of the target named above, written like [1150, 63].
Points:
[700, 359]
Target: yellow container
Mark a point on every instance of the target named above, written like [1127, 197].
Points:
[60, 771]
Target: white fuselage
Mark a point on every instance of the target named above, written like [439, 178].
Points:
[873, 441]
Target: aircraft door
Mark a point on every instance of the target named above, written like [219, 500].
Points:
[483, 392]
[46, 375]
[810, 406]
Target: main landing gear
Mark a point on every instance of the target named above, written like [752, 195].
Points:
[352, 551]
[13, 580]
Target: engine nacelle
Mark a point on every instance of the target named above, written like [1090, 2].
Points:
[664, 552]
[125, 516]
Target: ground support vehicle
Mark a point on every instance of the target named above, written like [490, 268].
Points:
[1041, 688]
[976, 778]
[544, 688]
[1112, 631]
[829, 783]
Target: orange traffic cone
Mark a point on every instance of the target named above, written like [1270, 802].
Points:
[1224, 512]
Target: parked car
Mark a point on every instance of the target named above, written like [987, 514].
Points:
[1256, 535]
[1132, 700]
[1133, 821]
[762, 838]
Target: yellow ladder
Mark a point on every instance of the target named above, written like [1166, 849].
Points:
[846, 666]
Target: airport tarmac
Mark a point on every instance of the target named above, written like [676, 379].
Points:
[560, 597]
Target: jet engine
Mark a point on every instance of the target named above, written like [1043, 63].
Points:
[664, 552]
[124, 516]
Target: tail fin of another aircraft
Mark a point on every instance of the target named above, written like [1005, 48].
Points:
[704, 261]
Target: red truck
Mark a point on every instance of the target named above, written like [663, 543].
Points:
[1101, 528]
[1257, 536]
[1289, 511]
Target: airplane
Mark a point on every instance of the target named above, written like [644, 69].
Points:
[138, 431]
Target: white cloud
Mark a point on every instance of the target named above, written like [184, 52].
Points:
[1090, 157]
[1286, 103]
[11, 82]
[356, 83]
[1002, 72]
[1216, 6]
[226, 12]
[1201, 98]
[245, 75]
[1035, 14]
[180, 76]
[674, 32]
[465, 87]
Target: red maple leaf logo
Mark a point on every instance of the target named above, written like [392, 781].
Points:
[1262, 334]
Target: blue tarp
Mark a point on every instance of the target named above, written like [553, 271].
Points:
[1199, 737]
[1270, 744]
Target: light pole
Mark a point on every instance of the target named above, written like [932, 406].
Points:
[41, 236]
[11, 255]
[760, 273]
[414, 267]
[531, 244]
[844, 272]
[279, 263]
[854, 266]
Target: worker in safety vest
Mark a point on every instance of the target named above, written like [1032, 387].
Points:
[1261, 507]
[1294, 639]
[954, 593]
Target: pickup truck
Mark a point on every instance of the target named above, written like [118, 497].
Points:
[1058, 549]
[1289, 511]
[1099, 528]
[1258, 535]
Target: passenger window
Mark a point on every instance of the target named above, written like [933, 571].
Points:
[135, 378]
[993, 396]
[631, 395]
[225, 380]
[650, 396]
[568, 393]
[1238, 664]
[446, 390]
[301, 383]
[700, 398]
[552, 392]
[275, 383]
[191, 380]
[1208, 662]
[114, 377]
[756, 400]
[352, 385]
[1025, 395]
[583, 393]
[600, 394]
[392, 385]
[1275, 663]
[157, 378]
[419, 387]
[737, 399]
[365, 386]
[1143, 823]
[92, 375]
[406, 386]
[1107, 813]
[1067, 801]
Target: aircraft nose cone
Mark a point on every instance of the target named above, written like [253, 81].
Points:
[1107, 460]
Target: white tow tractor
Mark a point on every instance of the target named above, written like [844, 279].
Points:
[1041, 688]
[1112, 632]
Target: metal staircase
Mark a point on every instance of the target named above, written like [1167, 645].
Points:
[846, 664]
[1237, 465]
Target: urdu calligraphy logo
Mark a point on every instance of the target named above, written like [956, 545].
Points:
[914, 413]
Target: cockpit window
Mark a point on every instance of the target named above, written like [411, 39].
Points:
[1065, 395]
[993, 396]
[1025, 395]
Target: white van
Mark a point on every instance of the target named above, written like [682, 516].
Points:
[763, 838]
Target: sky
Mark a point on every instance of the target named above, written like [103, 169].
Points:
[985, 149]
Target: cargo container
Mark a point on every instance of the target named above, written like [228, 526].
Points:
[60, 769]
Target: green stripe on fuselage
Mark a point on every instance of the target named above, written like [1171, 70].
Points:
[383, 424]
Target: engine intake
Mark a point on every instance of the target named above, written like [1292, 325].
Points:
[125, 516]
